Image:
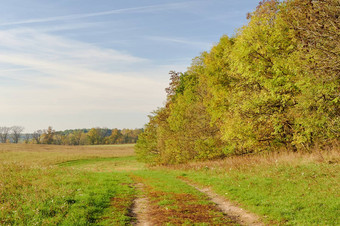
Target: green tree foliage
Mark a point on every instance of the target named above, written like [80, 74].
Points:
[274, 84]
[48, 136]
[316, 28]
[147, 146]
[92, 136]
[95, 136]
[264, 91]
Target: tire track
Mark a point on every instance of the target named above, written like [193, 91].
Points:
[140, 207]
[241, 216]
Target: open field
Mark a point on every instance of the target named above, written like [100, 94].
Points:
[99, 185]
[36, 189]
[53, 154]
[47, 185]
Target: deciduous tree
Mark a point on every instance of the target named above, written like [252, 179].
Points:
[16, 133]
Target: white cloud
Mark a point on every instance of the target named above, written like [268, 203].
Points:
[51, 75]
[50, 47]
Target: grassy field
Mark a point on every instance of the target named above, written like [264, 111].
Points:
[45, 185]
[285, 188]
[71, 185]
[65, 185]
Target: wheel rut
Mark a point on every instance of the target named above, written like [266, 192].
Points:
[240, 215]
[147, 211]
[140, 207]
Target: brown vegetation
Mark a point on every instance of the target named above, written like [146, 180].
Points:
[330, 156]
[185, 208]
[26, 154]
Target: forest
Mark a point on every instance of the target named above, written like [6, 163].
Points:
[274, 85]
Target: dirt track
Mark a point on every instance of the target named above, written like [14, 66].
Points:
[240, 215]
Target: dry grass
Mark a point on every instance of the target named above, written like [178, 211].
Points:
[331, 156]
[33, 154]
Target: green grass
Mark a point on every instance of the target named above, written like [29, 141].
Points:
[45, 192]
[114, 164]
[59, 196]
[174, 202]
[78, 162]
[93, 203]
[298, 194]
[84, 186]
[95, 160]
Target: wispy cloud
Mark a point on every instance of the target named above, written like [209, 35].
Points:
[50, 47]
[61, 67]
[15, 69]
[187, 42]
[142, 9]
[56, 75]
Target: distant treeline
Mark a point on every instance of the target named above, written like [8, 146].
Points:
[274, 84]
[70, 137]
[10, 134]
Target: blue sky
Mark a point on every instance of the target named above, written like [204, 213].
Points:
[88, 63]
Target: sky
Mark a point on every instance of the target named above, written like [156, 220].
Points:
[101, 63]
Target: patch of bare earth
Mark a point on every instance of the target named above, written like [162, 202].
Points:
[140, 207]
[240, 215]
[182, 208]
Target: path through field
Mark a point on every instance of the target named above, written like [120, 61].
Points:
[163, 197]
[140, 207]
[106, 185]
[102, 185]
[240, 215]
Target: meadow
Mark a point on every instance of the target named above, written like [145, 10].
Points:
[36, 189]
[98, 185]
[85, 185]
[284, 188]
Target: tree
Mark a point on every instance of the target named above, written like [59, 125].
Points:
[95, 136]
[27, 138]
[75, 137]
[149, 145]
[316, 27]
[4, 132]
[16, 132]
[48, 135]
[59, 138]
[37, 136]
[115, 136]
[274, 84]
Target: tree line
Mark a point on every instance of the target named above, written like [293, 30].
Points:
[273, 85]
[10, 134]
[92, 136]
